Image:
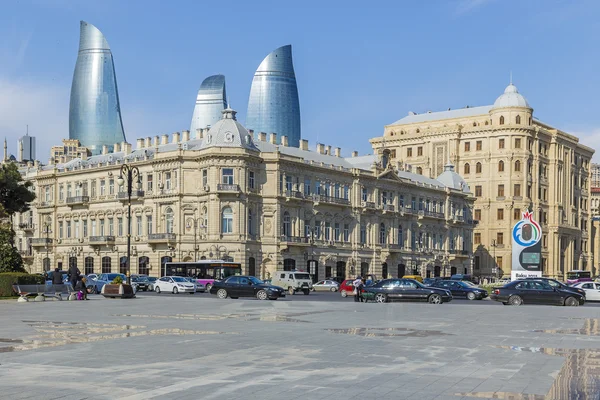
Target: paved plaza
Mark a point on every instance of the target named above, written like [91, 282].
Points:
[186, 347]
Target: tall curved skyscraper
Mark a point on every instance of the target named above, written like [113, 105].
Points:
[94, 112]
[211, 100]
[274, 105]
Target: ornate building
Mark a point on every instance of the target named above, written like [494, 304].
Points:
[512, 162]
[268, 206]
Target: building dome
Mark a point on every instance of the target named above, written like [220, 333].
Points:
[451, 179]
[511, 98]
[227, 132]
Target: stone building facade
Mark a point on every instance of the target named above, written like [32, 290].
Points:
[227, 195]
[512, 162]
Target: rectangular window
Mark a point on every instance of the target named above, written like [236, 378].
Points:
[499, 238]
[307, 186]
[467, 146]
[499, 261]
[167, 181]
[149, 224]
[61, 194]
[545, 241]
[337, 191]
[500, 190]
[517, 143]
[251, 179]
[346, 192]
[327, 231]
[101, 227]
[409, 152]
[111, 186]
[102, 187]
[346, 232]
[47, 193]
[478, 145]
[413, 203]
[500, 214]
[336, 232]
[149, 182]
[501, 143]
[517, 214]
[69, 194]
[318, 187]
[60, 230]
[365, 194]
[68, 229]
[401, 201]
[318, 230]
[307, 230]
[420, 204]
[363, 234]
[477, 238]
[93, 227]
[119, 226]
[288, 183]
[384, 197]
[227, 176]
[477, 191]
[93, 183]
[138, 224]
[76, 229]
[517, 189]
[420, 150]
[478, 215]
[85, 228]
[111, 227]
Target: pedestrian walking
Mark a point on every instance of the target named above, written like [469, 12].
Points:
[57, 277]
[74, 275]
[358, 286]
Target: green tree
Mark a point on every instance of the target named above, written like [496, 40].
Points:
[15, 194]
[10, 259]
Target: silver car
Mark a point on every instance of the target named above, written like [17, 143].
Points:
[326, 285]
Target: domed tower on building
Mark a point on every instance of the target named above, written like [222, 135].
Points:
[511, 108]
[228, 132]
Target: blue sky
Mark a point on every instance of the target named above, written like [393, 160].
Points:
[359, 65]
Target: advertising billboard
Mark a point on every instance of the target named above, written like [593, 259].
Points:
[526, 248]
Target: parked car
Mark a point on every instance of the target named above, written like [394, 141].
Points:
[151, 281]
[326, 285]
[92, 276]
[105, 279]
[431, 281]
[461, 277]
[246, 286]
[173, 284]
[591, 290]
[559, 284]
[198, 287]
[141, 282]
[414, 277]
[293, 281]
[347, 288]
[405, 289]
[338, 279]
[464, 289]
[531, 291]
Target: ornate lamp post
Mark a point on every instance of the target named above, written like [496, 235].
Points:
[129, 174]
[195, 226]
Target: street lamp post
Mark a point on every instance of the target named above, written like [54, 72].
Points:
[494, 268]
[195, 225]
[129, 174]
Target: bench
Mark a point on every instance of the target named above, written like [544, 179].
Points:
[56, 291]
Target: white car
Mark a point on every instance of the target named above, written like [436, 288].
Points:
[173, 284]
[592, 290]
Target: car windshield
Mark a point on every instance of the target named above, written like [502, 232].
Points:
[152, 279]
[255, 280]
[178, 279]
[141, 279]
[301, 276]
[111, 277]
[468, 284]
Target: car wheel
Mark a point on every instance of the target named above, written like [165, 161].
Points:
[435, 299]
[291, 291]
[333, 289]
[306, 291]
[515, 300]
[175, 290]
[208, 287]
[381, 298]
[344, 293]
[261, 295]
[571, 302]
[157, 289]
[222, 293]
[471, 296]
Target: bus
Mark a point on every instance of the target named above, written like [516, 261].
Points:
[578, 276]
[204, 271]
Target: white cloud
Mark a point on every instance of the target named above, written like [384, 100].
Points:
[44, 107]
[465, 6]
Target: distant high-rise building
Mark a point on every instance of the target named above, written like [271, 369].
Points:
[211, 100]
[26, 146]
[70, 150]
[274, 106]
[95, 113]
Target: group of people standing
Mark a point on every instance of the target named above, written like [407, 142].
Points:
[75, 278]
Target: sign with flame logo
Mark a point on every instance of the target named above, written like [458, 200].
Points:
[526, 248]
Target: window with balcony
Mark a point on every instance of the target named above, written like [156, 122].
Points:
[478, 191]
[287, 225]
[336, 232]
[288, 183]
[307, 184]
[346, 192]
[327, 231]
[307, 229]
[318, 230]
[336, 191]
[227, 176]
[250, 223]
[169, 220]
[400, 236]
[364, 194]
[69, 193]
[318, 187]
[384, 197]
[346, 233]
[327, 189]
[167, 181]
[413, 203]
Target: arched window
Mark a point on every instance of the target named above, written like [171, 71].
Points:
[169, 219]
[474, 123]
[89, 265]
[227, 220]
[478, 168]
[517, 166]
[287, 225]
[123, 265]
[418, 131]
[502, 120]
[163, 261]
[106, 265]
[518, 120]
[486, 122]
[419, 170]
[252, 266]
[289, 264]
[467, 169]
[250, 228]
[382, 233]
[143, 265]
[501, 166]
[400, 236]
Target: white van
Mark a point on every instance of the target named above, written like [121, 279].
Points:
[293, 281]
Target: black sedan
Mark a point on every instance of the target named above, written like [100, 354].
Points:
[405, 289]
[558, 284]
[531, 291]
[462, 289]
[246, 286]
[141, 281]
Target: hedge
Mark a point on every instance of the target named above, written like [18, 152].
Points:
[7, 279]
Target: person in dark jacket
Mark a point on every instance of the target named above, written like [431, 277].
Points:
[74, 275]
[57, 277]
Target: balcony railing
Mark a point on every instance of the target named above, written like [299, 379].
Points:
[161, 237]
[410, 210]
[100, 240]
[75, 200]
[135, 194]
[27, 227]
[293, 194]
[226, 187]
[368, 204]
[26, 253]
[295, 239]
[389, 207]
[37, 242]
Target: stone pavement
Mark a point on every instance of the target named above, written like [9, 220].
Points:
[187, 348]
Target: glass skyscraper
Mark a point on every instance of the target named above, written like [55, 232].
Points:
[211, 100]
[94, 112]
[273, 105]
